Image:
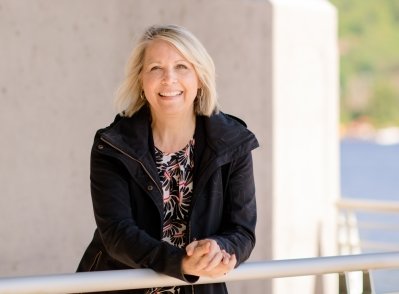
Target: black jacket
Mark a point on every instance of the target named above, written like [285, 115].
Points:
[127, 197]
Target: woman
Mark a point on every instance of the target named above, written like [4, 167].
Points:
[171, 178]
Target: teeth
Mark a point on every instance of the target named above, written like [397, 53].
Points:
[175, 93]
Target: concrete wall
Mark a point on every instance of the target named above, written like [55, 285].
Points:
[60, 62]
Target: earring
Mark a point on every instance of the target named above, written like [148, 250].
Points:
[142, 96]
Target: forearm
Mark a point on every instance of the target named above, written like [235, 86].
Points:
[236, 233]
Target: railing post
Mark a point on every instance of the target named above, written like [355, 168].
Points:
[366, 283]
[343, 287]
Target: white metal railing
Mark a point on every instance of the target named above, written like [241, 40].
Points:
[368, 205]
[349, 225]
[145, 278]
[368, 226]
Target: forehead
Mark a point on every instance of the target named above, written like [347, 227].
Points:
[159, 50]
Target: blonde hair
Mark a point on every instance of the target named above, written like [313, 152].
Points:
[130, 97]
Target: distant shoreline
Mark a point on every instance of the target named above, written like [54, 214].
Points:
[363, 130]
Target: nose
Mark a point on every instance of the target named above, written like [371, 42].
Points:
[169, 76]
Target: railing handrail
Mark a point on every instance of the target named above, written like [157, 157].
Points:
[369, 205]
[349, 225]
[146, 278]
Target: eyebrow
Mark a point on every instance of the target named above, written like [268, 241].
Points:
[177, 61]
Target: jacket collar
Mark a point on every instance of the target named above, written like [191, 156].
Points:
[225, 133]
[131, 134]
[222, 133]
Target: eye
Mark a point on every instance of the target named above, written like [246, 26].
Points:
[156, 67]
[181, 66]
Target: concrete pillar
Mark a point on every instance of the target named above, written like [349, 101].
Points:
[305, 139]
[60, 62]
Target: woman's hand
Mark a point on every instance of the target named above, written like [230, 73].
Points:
[205, 258]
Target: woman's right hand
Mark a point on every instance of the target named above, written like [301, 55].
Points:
[205, 258]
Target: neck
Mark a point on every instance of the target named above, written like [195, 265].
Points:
[173, 133]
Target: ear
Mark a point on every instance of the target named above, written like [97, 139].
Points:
[140, 80]
[200, 85]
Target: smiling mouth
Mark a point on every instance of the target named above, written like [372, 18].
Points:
[171, 94]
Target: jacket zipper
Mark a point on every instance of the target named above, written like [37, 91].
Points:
[147, 172]
[142, 165]
[95, 261]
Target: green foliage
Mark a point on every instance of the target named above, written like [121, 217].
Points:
[369, 44]
[384, 105]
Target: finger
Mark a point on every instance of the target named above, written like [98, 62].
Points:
[226, 257]
[200, 250]
[214, 246]
[225, 253]
[203, 248]
[212, 260]
[215, 261]
[191, 247]
[232, 263]
[206, 258]
[213, 251]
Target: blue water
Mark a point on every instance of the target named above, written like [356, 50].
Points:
[371, 171]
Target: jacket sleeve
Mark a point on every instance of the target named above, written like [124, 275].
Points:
[237, 233]
[121, 236]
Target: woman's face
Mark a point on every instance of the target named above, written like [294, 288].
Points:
[169, 81]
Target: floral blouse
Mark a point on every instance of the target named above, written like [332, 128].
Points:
[175, 171]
